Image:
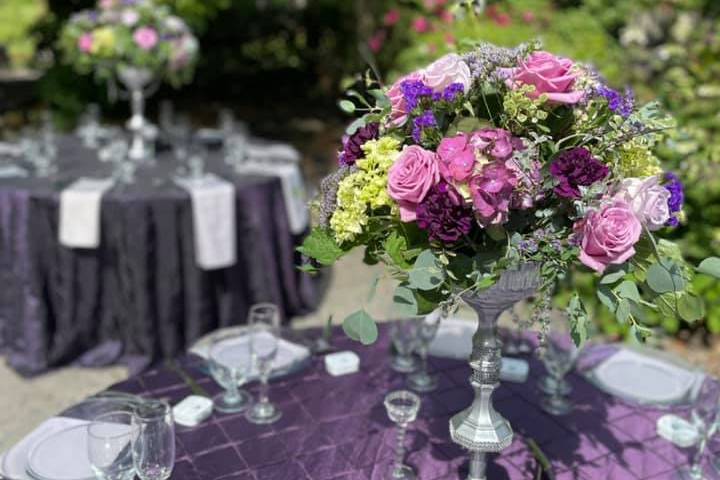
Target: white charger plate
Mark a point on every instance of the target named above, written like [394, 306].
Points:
[61, 456]
[646, 377]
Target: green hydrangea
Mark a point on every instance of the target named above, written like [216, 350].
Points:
[635, 159]
[521, 110]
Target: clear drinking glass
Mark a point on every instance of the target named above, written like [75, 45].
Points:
[558, 356]
[705, 415]
[427, 327]
[264, 321]
[109, 443]
[404, 334]
[402, 408]
[230, 362]
[153, 449]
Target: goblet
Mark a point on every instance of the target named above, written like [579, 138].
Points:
[109, 441]
[230, 363]
[402, 408]
[427, 327]
[264, 321]
[705, 415]
[404, 334]
[558, 355]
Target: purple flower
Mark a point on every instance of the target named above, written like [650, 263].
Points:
[413, 91]
[450, 94]
[622, 105]
[677, 197]
[529, 246]
[352, 145]
[576, 168]
[426, 120]
[444, 214]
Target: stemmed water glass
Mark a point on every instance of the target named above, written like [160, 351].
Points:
[402, 408]
[558, 355]
[427, 327]
[404, 335]
[230, 363]
[153, 449]
[109, 444]
[705, 415]
[264, 321]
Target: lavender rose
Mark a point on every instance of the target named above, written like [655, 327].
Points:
[410, 178]
[576, 168]
[457, 158]
[647, 199]
[608, 236]
[550, 75]
[492, 192]
[448, 70]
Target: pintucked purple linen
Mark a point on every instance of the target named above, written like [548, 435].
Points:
[336, 428]
[140, 296]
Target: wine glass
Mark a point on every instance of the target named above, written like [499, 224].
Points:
[402, 408]
[705, 416]
[427, 327]
[153, 449]
[264, 321]
[229, 364]
[404, 335]
[109, 444]
[558, 355]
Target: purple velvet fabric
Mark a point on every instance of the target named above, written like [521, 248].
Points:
[335, 428]
[140, 296]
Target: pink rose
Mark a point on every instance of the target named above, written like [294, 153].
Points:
[145, 37]
[496, 142]
[376, 42]
[492, 191]
[550, 75]
[391, 17]
[647, 199]
[399, 112]
[446, 71]
[410, 178]
[421, 25]
[457, 158]
[85, 42]
[608, 236]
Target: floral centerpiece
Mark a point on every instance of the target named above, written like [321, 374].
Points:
[130, 33]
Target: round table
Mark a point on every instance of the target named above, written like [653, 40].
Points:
[139, 296]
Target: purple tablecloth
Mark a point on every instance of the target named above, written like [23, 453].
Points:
[336, 428]
[139, 296]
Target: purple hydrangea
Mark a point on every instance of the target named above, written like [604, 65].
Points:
[352, 144]
[426, 120]
[413, 91]
[621, 104]
[677, 197]
[576, 168]
[444, 214]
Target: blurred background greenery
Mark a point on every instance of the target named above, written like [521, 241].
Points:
[283, 63]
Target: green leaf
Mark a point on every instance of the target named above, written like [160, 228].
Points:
[578, 318]
[321, 246]
[355, 125]
[691, 308]
[308, 268]
[361, 327]
[381, 100]
[613, 277]
[628, 290]
[710, 266]
[404, 301]
[346, 106]
[607, 297]
[668, 304]
[395, 246]
[623, 311]
[666, 276]
[427, 273]
[640, 333]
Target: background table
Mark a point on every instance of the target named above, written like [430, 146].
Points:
[336, 428]
[140, 295]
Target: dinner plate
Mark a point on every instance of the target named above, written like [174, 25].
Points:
[61, 456]
[646, 377]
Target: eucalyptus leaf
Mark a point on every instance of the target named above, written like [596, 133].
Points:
[629, 290]
[578, 318]
[665, 277]
[607, 297]
[613, 277]
[427, 273]
[346, 106]
[361, 327]
[710, 266]
[404, 302]
[691, 308]
[623, 311]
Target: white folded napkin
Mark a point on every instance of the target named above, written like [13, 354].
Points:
[14, 462]
[80, 212]
[213, 208]
[293, 189]
[677, 430]
[9, 171]
[277, 152]
[10, 149]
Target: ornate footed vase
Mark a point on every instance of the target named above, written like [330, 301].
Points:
[479, 428]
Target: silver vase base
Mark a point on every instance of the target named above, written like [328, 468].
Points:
[403, 472]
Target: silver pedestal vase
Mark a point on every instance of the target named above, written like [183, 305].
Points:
[137, 81]
[479, 428]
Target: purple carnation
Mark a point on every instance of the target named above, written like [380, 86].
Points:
[575, 168]
[426, 120]
[677, 197]
[622, 105]
[444, 214]
[352, 145]
[413, 91]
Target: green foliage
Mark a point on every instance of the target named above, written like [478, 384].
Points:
[361, 327]
[16, 20]
[321, 246]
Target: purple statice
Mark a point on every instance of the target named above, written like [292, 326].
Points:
[677, 198]
[328, 193]
[352, 144]
[487, 61]
[426, 120]
[413, 91]
[621, 104]
[444, 214]
[451, 92]
[528, 246]
[576, 168]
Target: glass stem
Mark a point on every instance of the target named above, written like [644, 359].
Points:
[263, 395]
[423, 359]
[400, 449]
[696, 469]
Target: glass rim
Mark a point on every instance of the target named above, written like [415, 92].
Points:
[401, 395]
[162, 408]
[96, 422]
